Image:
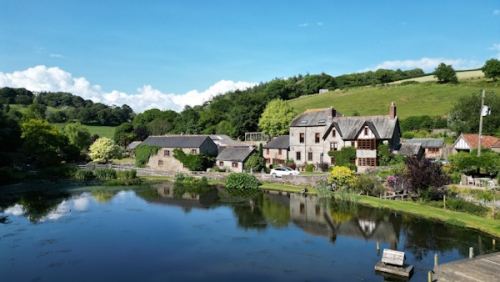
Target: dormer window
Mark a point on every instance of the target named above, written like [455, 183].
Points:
[322, 121]
[303, 121]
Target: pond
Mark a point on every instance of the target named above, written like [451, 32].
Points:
[54, 232]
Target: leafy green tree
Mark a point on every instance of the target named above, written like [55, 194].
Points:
[77, 135]
[158, 126]
[464, 116]
[276, 118]
[124, 134]
[103, 149]
[491, 69]
[141, 133]
[43, 141]
[445, 73]
[35, 111]
[256, 161]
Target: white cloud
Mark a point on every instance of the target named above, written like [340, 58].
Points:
[57, 56]
[496, 47]
[320, 24]
[427, 64]
[304, 24]
[496, 12]
[41, 78]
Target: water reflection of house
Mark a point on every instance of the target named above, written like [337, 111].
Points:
[316, 219]
[186, 201]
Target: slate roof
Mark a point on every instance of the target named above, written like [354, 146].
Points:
[176, 141]
[313, 117]
[235, 154]
[473, 139]
[134, 144]
[226, 141]
[428, 142]
[280, 142]
[410, 149]
[348, 127]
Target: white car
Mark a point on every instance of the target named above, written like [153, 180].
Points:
[280, 171]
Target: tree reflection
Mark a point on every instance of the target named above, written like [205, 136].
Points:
[37, 205]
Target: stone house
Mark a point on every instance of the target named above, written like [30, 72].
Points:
[190, 144]
[467, 142]
[234, 158]
[433, 147]
[316, 132]
[276, 151]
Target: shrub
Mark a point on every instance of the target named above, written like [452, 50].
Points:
[368, 184]
[323, 166]
[341, 176]
[408, 135]
[105, 173]
[242, 181]
[127, 174]
[310, 167]
[84, 175]
[292, 165]
[409, 82]
[179, 177]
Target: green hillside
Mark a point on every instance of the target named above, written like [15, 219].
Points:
[419, 99]
[102, 131]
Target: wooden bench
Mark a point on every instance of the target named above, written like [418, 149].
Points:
[392, 257]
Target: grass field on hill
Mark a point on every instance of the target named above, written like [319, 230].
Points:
[427, 98]
[102, 131]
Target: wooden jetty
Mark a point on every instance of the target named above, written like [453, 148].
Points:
[485, 268]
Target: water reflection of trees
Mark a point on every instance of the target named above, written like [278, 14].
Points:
[37, 205]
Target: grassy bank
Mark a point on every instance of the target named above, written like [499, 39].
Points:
[464, 219]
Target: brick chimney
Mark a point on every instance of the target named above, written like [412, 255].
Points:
[392, 111]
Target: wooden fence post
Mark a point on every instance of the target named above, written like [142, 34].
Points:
[471, 252]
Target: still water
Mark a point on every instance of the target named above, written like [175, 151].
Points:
[167, 233]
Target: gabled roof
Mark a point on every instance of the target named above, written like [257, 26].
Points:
[280, 142]
[134, 144]
[176, 141]
[314, 117]
[382, 126]
[235, 154]
[428, 142]
[410, 149]
[473, 139]
[225, 141]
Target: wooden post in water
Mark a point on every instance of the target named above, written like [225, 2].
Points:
[435, 260]
[471, 252]
[378, 249]
[429, 276]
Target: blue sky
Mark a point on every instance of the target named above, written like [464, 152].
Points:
[167, 54]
